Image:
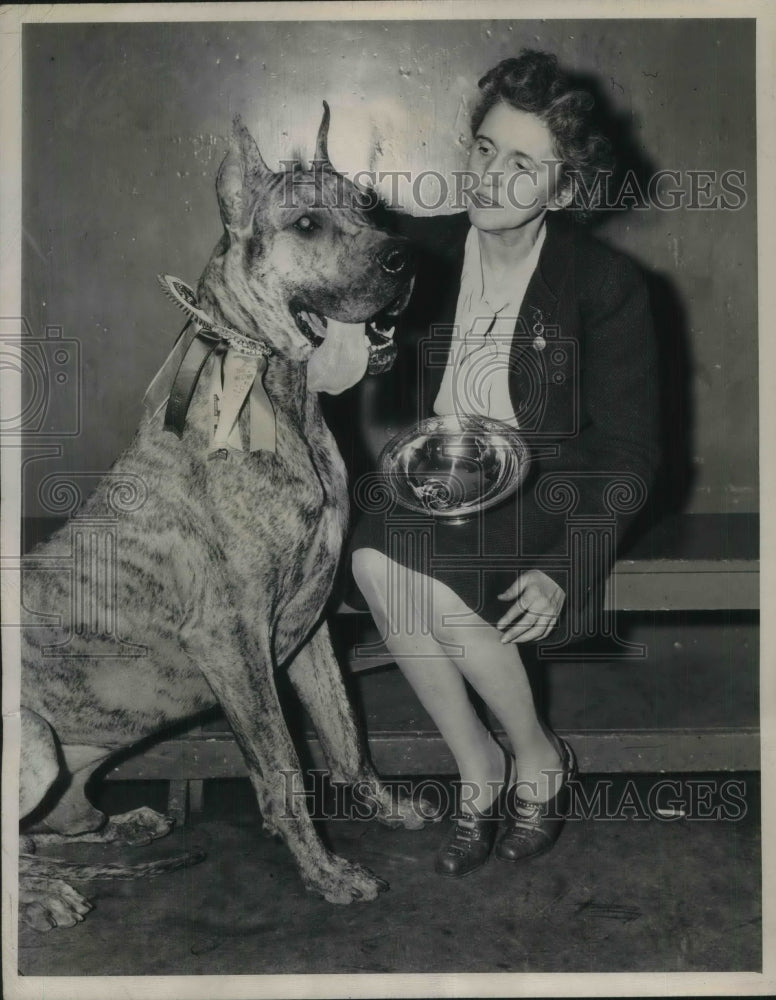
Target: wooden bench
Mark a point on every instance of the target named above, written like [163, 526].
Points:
[690, 565]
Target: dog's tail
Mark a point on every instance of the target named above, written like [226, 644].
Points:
[32, 864]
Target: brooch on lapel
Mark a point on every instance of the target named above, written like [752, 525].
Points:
[537, 329]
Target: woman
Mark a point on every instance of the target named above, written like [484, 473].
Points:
[544, 328]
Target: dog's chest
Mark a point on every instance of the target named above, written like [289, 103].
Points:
[289, 507]
[317, 483]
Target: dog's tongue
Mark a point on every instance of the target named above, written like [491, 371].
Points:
[341, 359]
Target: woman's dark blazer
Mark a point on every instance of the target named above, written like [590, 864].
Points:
[586, 402]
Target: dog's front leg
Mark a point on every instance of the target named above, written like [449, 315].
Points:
[242, 680]
[317, 679]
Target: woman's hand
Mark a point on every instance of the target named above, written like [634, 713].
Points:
[537, 607]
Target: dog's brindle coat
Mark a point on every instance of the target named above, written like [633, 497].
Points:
[223, 573]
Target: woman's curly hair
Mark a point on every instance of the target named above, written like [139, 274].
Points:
[534, 82]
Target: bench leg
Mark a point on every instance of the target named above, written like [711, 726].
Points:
[196, 795]
[176, 801]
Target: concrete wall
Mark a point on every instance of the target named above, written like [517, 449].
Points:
[125, 126]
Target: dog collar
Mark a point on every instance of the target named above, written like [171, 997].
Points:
[183, 296]
[237, 376]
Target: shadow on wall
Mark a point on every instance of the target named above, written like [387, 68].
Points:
[675, 476]
[633, 169]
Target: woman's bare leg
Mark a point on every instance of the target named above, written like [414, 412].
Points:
[435, 668]
[496, 671]
[434, 677]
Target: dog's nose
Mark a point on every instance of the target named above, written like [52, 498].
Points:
[395, 258]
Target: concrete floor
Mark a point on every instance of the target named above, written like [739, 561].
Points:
[628, 895]
[613, 896]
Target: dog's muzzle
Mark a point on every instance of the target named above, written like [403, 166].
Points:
[379, 329]
[396, 259]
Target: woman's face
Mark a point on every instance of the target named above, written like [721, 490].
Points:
[517, 170]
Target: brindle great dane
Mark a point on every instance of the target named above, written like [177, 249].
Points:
[223, 572]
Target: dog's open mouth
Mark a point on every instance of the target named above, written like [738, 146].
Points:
[379, 328]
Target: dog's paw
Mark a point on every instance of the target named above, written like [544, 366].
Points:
[136, 827]
[26, 844]
[341, 882]
[46, 903]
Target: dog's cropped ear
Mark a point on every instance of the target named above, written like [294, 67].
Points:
[240, 173]
[321, 154]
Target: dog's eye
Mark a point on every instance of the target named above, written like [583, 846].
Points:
[305, 224]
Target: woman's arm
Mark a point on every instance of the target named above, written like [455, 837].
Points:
[618, 409]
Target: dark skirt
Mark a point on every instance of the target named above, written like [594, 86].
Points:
[478, 559]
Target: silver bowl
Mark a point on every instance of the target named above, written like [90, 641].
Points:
[454, 467]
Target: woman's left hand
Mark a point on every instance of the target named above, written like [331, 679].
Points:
[537, 607]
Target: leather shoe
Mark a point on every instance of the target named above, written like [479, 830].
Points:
[533, 827]
[468, 844]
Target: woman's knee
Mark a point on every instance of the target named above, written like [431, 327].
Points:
[370, 569]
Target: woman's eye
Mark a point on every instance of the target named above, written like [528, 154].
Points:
[305, 224]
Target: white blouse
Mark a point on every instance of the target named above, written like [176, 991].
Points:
[476, 376]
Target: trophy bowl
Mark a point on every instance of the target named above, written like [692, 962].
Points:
[453, 467]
